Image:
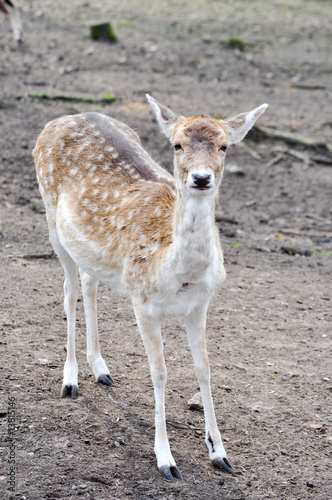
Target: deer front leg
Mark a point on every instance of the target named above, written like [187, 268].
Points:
[150, 330]
[95, 360]
[195, 326]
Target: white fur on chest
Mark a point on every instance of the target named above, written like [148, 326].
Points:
[194, 264]
[179, 298]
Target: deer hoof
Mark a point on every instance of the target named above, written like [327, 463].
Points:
[106, 380]
[69, 390]
[170, 472]
[223, 464]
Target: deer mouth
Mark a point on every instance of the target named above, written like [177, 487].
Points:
[201, 188]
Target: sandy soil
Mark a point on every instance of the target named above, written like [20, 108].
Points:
[269, 327]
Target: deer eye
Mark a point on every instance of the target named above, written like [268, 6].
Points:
[223, 148]
[177, 147]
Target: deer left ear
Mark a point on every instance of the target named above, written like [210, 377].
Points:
[239, 126]
[165, 117]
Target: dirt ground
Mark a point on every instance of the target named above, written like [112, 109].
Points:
[269, 327]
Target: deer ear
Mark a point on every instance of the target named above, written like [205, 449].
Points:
[239, 126]
[165, 117]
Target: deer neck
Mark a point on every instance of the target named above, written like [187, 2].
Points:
[194, 244]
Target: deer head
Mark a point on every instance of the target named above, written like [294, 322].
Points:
[200, 144]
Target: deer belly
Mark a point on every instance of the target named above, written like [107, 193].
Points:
[89, 255]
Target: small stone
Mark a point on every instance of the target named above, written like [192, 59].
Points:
[87, 441]
[249, 483]
[310, 484]
[195, 403]
[222, 482]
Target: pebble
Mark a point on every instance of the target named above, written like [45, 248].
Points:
[310, 484]
[195, 403]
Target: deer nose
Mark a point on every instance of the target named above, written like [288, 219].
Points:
[201, 180]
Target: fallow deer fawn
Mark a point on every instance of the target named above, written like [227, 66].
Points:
[125, 221]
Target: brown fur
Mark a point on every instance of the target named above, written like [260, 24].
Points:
[108, 190]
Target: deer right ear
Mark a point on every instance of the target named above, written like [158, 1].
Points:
[165, 117]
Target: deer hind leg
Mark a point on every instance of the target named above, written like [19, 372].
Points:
[150, 330]
[195, 326]
[95, 360]
[70, 372]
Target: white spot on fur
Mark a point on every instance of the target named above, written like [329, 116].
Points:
[153, 248]
[73, 171]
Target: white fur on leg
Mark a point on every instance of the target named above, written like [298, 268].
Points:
[95, 360]
[70, 373]
[150, 330]
[98, 365]
[195, 325]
